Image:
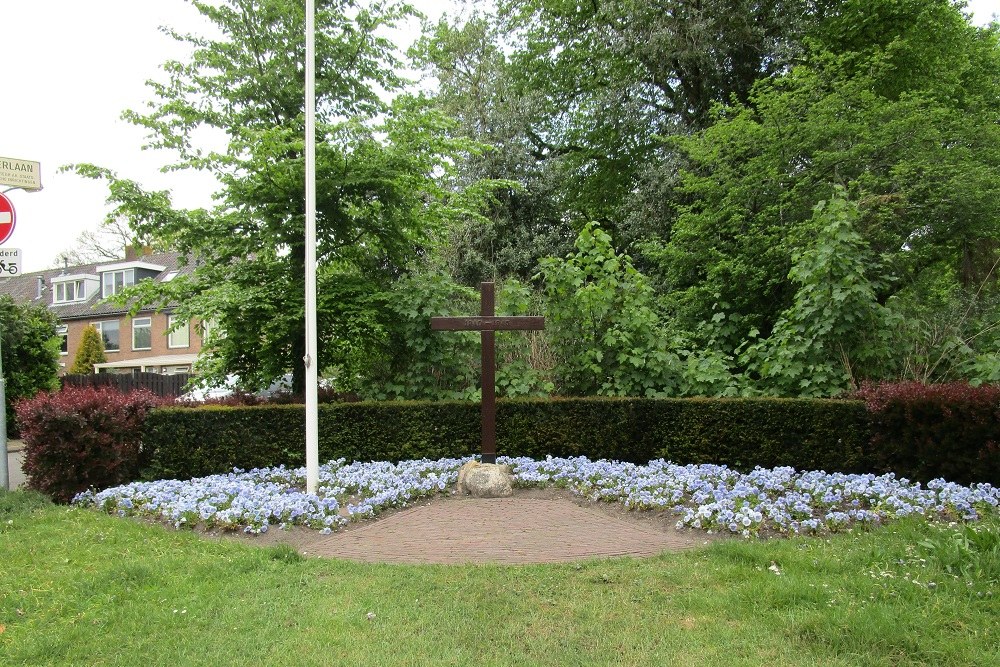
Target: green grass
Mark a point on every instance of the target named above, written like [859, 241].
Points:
[81, 588]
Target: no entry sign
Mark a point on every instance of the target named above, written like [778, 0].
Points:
[7, 219]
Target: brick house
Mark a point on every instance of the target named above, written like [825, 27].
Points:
[131, 344]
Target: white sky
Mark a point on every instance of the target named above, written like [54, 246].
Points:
[68, 68]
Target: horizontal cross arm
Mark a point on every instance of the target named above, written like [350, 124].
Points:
[483, 323]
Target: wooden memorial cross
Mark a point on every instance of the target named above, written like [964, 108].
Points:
[487, 324]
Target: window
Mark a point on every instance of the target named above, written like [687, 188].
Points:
[115, 281]
[109, 334]
[142, 337]
[70, 290]
[63, 332]
[179, 337]
[170, 276]
[209, 331]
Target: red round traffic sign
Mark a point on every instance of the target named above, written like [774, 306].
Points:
[7, 218]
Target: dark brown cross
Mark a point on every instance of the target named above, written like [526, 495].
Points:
[487, 324]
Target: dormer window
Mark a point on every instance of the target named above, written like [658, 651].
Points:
[73, 288]
[69, 291]
[114, 282]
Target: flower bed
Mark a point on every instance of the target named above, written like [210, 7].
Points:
[707, 497]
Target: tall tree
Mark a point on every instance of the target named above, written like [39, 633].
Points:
[377, 196]
[914, 144]
[574, 98]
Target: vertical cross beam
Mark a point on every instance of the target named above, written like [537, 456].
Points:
[487, 324]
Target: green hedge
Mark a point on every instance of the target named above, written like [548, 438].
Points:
[742, 433]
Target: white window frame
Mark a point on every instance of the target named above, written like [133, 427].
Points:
[62, 331]
[128, 279]
[100, 330]
[171, 332]
[136, 324]
[78, 287]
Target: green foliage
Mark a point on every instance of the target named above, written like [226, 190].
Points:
[525, 359]
[604, 328]
[478, 87]
[410, 361]
[806, 434]
[90, 352]
[817, 342]
[30, 352]
[381, 172]
[917, 153]
[187, 442]
[969, 551]
[417, 363]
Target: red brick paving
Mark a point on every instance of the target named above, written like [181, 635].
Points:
[501, 530]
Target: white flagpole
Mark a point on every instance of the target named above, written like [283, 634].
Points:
[311, 359]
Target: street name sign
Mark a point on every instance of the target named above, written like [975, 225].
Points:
[10, 261]
[7, 219]
[23, 174]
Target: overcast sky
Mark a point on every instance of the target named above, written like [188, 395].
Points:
[67, 70]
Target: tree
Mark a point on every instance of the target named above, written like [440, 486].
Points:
[574, 98]
[907, 124]
[377, 195]
[90, 352]
[30, 351]
[601, 317]
[104, 244]
[523, 221]
[826, 341]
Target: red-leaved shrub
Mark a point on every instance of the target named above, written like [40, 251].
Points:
[82, 438]
[926, 431]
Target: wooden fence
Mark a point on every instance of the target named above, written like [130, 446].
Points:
[161, 385]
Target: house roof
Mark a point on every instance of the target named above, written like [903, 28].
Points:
[23, 288]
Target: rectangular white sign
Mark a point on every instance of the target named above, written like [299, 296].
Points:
[23, 174]
[10, 261]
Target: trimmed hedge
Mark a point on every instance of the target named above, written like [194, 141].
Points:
[947, 430]
[742, 433]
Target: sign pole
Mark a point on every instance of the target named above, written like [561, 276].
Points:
[4, 472]
[311, 360]
[18, 175]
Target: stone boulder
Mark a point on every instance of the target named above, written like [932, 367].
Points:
[486, 480]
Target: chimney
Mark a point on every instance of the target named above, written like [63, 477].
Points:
[132, 253]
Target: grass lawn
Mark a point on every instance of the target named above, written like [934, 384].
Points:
[81, 588]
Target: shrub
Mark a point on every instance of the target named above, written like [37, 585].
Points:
[30, 351]
[742, 433]
[926, 431]
[90, 352]
[82, 438]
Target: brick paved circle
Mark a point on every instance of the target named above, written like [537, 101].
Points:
[543, 526]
